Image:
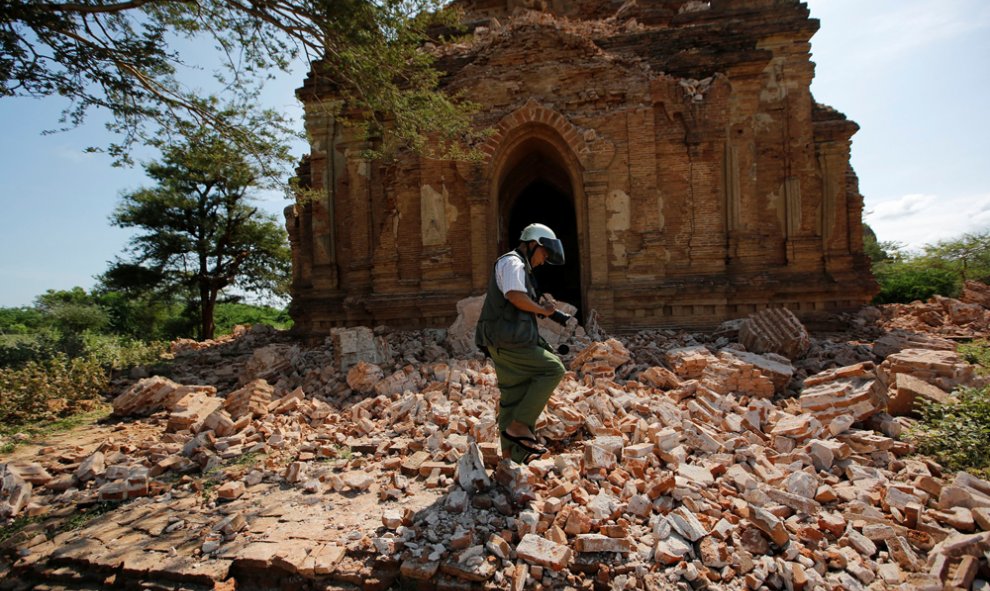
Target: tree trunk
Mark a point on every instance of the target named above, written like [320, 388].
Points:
[207, 303]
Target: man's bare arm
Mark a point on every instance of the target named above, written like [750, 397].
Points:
[525, 303]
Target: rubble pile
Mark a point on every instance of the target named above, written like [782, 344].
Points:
[677, 461]
[941, 316]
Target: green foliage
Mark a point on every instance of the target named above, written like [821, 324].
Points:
[968, 256]
[977, 353]
[119, 56]
[117, 352]
[230, 314]
[85, 515]
[940, 269]
[878, 251]
[199, 232]
[41, 429]
[907, 280]
[957, 434]
[50, 389]
[20, 321]
[140, 316]
[18, 349]
[13, 528]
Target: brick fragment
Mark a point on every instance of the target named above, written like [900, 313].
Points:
[231, 490]
[769, 524]
[599, 543]
[540, 551]
[775, 330]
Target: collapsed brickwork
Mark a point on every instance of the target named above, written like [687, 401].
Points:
[679, 461]
[674, 145]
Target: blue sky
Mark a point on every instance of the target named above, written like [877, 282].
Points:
[915, 75]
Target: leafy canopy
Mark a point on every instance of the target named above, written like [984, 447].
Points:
[199, 233]
[122, 56]
[940, 269]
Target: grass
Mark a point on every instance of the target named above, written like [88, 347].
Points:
[55, 526]
[82, 518]
[212, 478]
[248, 460]
[39, 430]
[16, 526]
[977, 353]
[957, 434]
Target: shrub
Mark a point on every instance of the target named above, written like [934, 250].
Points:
[227, 315]
[21, 320]
[43, 390]
[957, 434]
[18, 349]
[906, 281]
[118, 352]
[977, 353]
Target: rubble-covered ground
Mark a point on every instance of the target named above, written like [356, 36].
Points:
[760, 455]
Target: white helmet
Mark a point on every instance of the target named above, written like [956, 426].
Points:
[546, 238]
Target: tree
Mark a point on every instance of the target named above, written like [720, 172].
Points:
[876, 250]
[72, 311]
[200, 233]
[969, 256]
[121, 55]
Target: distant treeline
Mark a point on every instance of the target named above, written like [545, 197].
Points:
[938, 269]
[113, 328]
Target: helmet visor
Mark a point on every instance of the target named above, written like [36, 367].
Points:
[555, 250]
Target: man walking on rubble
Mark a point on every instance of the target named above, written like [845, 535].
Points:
[527, 369]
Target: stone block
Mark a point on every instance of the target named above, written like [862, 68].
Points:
[672, 549]
[351, 345]
[470, 473]
[364, 376]
[152, 394]
[191, 410]
[542, 552]
[775, 367]
[775, 330]
[250, 400]
[850, 390]
[799, 428]
[15, 492]
[907, 389]
[460, 334]
[660, 377]
[943, 369]
[231, 490]
[769, 524]
[92, 467]
[687, 524]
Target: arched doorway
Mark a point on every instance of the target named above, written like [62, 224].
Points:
[536, 188]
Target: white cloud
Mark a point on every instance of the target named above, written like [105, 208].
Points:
[906, 206]
[916, 220]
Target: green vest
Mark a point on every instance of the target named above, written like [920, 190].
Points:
[501, 324]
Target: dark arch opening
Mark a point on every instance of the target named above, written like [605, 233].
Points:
[538, 190]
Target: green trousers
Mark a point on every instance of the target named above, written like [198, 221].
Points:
[526, 379]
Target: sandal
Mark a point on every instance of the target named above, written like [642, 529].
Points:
[522, 442]
[530, 457]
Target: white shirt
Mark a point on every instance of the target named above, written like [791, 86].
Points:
[510, 274]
